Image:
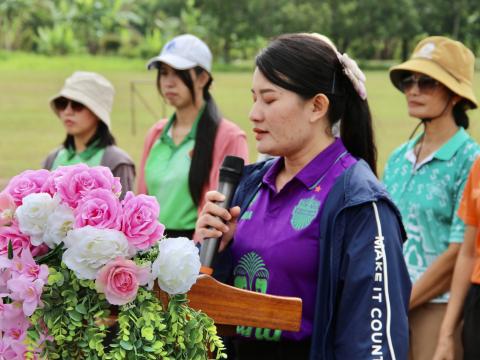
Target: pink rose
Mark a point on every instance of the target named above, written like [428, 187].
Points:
[79, 180]
[19, 241]
[12, 233]
[100, 208]
[119, 280]
[140, 220]
[50, 186]
[28, 182]
[39, 250]
[7, 208]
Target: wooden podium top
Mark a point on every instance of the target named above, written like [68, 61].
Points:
[228, 305]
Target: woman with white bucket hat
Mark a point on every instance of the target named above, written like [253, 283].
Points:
[84, 105]
[426, 177]
[182, 155]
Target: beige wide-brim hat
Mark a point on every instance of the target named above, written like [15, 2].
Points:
[445, 60]
[90, 89]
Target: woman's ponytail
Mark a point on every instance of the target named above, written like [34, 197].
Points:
[460, 114]
[202, 155]
[356, 129]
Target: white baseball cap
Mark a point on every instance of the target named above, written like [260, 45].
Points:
[184, 52]
[90, 89]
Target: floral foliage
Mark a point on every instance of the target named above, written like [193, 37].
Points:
[78, 268]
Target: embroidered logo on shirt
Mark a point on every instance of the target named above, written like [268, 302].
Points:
[304, 213]
[252, 274]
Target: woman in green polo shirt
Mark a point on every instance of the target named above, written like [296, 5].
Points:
[426, 177]
[183, 154]
[84, 105]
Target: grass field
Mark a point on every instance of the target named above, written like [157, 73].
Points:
[29, 129]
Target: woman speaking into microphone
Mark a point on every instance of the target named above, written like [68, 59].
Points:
[314, 222]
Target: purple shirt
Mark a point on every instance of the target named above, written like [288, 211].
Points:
[276, 242]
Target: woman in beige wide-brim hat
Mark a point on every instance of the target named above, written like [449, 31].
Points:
[426, 177]
[84, 105]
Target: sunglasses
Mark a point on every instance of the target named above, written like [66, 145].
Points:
[61, 104]
[425, 83]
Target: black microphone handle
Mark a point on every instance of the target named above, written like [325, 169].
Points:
[210, 246]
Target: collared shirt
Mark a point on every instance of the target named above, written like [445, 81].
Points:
[276, 241]
[469, 211]
[428, 197]
[166, 175]
[91, 156]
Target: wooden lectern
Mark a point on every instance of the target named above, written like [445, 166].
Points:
[229, 306]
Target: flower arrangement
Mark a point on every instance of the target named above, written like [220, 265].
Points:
[71, 250]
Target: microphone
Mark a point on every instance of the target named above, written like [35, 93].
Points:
[230, 173]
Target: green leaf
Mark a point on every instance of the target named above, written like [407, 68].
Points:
[10, 250]
[147, 333]
[126, 345]
[81, 308]
[74, 315]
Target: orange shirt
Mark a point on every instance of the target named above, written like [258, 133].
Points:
[469, 212]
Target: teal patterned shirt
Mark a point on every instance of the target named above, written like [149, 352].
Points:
[428, 197]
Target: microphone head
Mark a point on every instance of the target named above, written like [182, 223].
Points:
[231, 169]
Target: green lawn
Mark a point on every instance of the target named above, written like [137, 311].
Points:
[29, 129]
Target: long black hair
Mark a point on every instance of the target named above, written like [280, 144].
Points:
[102, 138]
[202, 156]
[307, 66]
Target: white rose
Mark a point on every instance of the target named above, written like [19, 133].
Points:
[177, 265]
[33, 214]
[59, 223]
[89, 248]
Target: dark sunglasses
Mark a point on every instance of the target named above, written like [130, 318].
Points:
[425, 83]
[61, 104]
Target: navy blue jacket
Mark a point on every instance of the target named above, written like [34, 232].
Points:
[363, 286]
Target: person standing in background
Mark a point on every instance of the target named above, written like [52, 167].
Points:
[182, 155]
[84, 105]
[465, 294]
[426, 177]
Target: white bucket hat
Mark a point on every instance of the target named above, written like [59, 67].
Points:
[90, 89]
[184, 52]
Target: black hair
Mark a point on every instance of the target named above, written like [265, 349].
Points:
[460, 113]
[102, 138]
[307, 65]
[202, 156]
